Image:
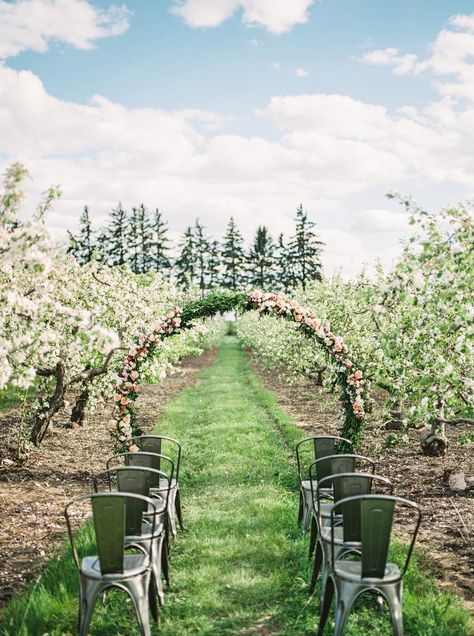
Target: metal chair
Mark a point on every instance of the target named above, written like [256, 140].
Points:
[171, 447]
[151, 460]
[323, 468]
[135, 479]
[349, 579]
[112, 567]
[315, 447]
[347, 539]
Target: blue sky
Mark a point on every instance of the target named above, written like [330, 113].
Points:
[332, 103]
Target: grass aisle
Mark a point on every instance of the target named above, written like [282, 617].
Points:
[235, 570]
[241, 566]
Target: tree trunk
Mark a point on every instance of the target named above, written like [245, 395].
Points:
[435, 443]
[45, 414]
[78, 413]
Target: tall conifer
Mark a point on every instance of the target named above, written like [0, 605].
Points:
[161, 245]
[82, 245]
[261, 260]
[117, 246]
[185, 265]
[304, 251]
[233, 258]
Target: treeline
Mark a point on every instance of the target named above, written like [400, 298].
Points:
[139, 238]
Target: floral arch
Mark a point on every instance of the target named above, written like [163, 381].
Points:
[354, 387]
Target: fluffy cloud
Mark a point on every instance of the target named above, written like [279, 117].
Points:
[381, 221]
[33, 24]
[451, 57]
[277, 16]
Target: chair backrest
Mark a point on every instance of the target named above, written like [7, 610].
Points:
[319, 446]
[352, 484]
[158, 462]
[161, 444]
[110, 526]
[136, 480]
[329, 465]
[376, 521]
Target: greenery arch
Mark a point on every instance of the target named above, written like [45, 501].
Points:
[354, 387]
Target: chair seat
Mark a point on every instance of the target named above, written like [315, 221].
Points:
[163, 483]
[306, 485]
[338, 537]
[352, 571]
[133, 564]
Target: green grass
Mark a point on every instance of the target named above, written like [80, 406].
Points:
[241, 565]
[10, 397]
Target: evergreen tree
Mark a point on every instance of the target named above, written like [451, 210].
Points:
[304, 250]
[261, 260]
[140, 238]
[117, 234]
[82, 246]
[283, 273]
[185, 265]
[202, 247]
[214, 265]
[233, 258]
[160, 245]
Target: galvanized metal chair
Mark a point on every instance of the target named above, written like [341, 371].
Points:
[323, 468]
[160, 444]
[307, 451]
[112, 566]
[151, 460]
[372, 572]
[347, 540]
[135, 479]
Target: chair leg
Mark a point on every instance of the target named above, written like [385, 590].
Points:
[179, 512]
[326, 605]
[152, 594]
[172, 513]
[300, 509]
[165, 562]
[393, 594]
[345, 597]
[157, 566]
[313, 535]
[89, 591]
[318, 561]
[139, 590]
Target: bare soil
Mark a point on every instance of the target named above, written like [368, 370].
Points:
[447, 530]
[33, 494]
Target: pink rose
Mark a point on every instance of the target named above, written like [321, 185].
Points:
[134, 375]
[298, 317]
[358, 374]
[134, 448]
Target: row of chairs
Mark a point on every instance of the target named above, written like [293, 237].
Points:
[350, 512]
[135, 510]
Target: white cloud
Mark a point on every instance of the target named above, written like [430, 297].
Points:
[301, 72]
[381, 221]
[276, 65]
[277, 16]
[452, 55]
[34, 24]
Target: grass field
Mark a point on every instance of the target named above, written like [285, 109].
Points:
[241, 565]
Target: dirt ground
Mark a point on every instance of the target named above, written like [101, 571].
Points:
[447, 531]
[33, 495]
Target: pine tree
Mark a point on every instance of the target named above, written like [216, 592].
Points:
[160, 245]
[133, 237]
[214, 265]
[117, 234]
[261, 259]
[202, 247]
[304, 250]
[233, 258]
[82, 246]
[140, 237]
[185, 265]
[283, 273]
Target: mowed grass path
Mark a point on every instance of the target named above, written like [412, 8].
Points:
[240, 567]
